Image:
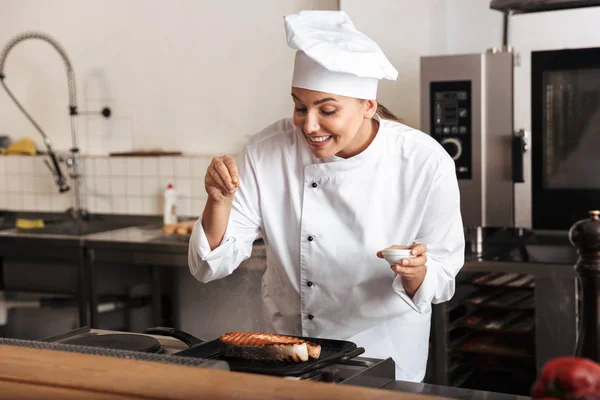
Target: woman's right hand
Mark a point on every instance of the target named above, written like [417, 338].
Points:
[222, 179]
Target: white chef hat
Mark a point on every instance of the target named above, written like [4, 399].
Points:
[333, 57]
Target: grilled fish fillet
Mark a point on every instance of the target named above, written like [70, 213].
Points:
[269, 346]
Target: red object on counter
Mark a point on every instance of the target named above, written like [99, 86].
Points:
[568, 378]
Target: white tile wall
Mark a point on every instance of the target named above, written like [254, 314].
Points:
[135, 205]
[101, 166]
[183, 185]
[150, 167]
[110, 184]
[118, 166]
[119, 205]
[118, 186]
[15, 201]
[103, 205]
[152, 203]
[150, 186]
[14, 183]
[13, 166]
[166, 167]
[29, 202]
[183, 167]
[102, 186]
[42, 202]
[134, 166]
[134, 186]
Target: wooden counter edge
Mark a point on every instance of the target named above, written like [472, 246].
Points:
[21, 390]
[51, 373]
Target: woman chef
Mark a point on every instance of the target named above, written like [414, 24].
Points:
[328, 190]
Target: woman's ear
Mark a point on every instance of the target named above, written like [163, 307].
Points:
[370, 108]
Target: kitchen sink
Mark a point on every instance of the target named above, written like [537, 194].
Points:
[6, 224]
[79, 228]
[9, 221]
[172, 238]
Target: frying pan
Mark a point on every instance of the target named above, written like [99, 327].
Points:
[332, 352]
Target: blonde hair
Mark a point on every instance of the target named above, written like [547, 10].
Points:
[385, 113]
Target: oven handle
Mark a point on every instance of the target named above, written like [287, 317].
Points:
[519, 147]
[175, 333]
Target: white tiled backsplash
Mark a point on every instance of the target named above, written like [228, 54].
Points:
[115, 185]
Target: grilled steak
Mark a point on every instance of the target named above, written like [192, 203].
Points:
[268, 346]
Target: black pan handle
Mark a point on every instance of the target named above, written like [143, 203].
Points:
[176, 333]
[350, 355]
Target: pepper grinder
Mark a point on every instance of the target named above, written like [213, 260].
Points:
[585, 236]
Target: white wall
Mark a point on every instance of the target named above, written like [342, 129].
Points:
[189, 75]
[409, 29]
[195, 76]
[406, 30]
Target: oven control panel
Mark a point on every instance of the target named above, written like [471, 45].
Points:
[451, 122]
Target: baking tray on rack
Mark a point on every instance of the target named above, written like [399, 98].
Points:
[513, 322]
[497, 346]
[502, 300]
[505, 280]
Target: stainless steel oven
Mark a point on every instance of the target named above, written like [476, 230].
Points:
[467, 105]
[565, 111]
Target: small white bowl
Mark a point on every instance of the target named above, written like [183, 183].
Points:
[395, 256]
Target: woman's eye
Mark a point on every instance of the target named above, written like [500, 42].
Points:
[300, 110]
[328, 112]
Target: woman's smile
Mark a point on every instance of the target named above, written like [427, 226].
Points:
[319, 141]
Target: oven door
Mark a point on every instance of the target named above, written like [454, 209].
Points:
[565, 100]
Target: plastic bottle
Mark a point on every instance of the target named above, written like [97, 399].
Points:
[170, 206]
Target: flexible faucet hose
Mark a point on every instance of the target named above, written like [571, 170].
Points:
[42, 36]
[60, 180]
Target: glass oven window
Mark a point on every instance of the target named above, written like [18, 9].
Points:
[571, 126]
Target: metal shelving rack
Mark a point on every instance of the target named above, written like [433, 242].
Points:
[484, 338]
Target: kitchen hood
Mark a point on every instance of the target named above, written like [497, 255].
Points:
[531, 6]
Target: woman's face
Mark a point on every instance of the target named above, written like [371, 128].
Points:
[333, 124]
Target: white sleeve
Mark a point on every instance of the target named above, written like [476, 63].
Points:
[442, 231]
[243, 228]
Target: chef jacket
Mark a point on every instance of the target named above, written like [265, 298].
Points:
[323, 221]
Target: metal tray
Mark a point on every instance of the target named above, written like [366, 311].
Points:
[332, 352]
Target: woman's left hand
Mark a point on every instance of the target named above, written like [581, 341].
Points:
[412, 269]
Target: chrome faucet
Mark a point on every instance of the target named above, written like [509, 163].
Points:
[73, 160]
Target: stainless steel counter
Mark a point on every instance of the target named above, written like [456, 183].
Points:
[449, 392]
[148, 245]
[125, 238]
[64, 246]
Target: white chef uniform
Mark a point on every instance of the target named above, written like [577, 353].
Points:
[323, 220]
